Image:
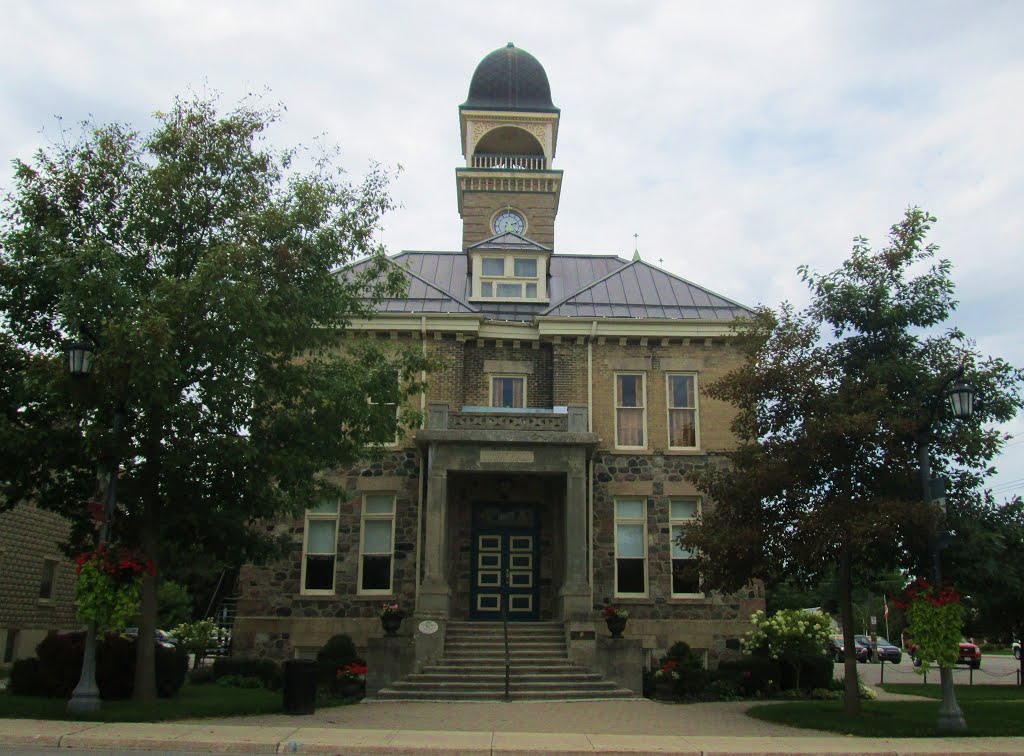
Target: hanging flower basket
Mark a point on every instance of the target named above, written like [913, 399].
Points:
[109, 584]
[936, 620]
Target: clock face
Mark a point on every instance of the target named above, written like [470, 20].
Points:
[509, 220]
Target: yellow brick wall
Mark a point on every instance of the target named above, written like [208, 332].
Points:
[708, 362]
[479, 207]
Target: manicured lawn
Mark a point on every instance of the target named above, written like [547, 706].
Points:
[963, 692]
[900, 719]
[192, 701]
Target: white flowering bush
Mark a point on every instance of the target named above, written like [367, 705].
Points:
[788, 636]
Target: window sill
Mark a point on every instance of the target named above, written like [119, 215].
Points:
[632, 598]
[688, 598]
[374, 597]
[694, 451]
[318, 594]
[45, 602]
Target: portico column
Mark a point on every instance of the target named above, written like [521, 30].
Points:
[434, 592]
[575, 593]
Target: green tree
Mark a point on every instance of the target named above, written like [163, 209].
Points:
[985, 559]
[205, 267]
[833, 404]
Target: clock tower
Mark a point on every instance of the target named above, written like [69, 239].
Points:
[509, 130]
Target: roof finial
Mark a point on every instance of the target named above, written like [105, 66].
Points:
[636, 247]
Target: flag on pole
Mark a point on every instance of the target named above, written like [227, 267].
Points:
[885, 603]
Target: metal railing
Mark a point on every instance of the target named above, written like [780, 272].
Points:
[509, 162]
[508, 656]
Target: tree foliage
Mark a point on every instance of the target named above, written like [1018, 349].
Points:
[833, 404]
[986, 561]
[205, 267]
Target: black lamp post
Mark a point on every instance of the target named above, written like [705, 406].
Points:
[961, 403]
[86, 696]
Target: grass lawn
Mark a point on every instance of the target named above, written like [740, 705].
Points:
[963, 692]
[192, 701]
[990, 710]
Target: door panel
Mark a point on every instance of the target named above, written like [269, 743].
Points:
[505, 564]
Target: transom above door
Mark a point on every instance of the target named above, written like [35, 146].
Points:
[505, 567]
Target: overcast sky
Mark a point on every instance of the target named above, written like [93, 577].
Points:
[739, 139]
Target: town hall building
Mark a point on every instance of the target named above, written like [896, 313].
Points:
[549, 471]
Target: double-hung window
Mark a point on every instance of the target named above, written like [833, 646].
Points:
[631, 547]
[320, 548]
[376, 543]
[508, 277]
[682, 410]
[685, 578]
[630, 411]
[508, 391]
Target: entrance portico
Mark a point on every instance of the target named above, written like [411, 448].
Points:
[486, 466]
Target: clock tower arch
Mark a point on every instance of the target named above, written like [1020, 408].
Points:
[509, 130]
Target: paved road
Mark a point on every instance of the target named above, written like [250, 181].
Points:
[995, 670]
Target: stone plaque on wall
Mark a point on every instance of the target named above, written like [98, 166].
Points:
[509, 455]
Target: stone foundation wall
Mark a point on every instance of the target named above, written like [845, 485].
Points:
[657, 478]
[275, 617]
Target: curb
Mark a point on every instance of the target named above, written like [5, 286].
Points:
[289, 739]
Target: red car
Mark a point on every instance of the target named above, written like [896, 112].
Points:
[969, 655]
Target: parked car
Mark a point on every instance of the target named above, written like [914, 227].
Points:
[886, 650]
[162, 637]
[837, 649]
[1016, 650]
[970, 655]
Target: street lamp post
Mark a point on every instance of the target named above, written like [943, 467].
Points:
[86, 695]
[961, 402]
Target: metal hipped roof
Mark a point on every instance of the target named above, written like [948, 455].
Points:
[641, 290]
[421, 295]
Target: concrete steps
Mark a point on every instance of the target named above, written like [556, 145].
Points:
[473, 668]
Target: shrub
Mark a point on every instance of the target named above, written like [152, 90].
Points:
[266, 670]
[756, 676]
[171, 670]
[60, 663]
[195, 637]
[60, 666]
[723, 688]
[25, 678]
[685, 658]
[815, 671]
[788, 636]
[202, 676]
[338, 652]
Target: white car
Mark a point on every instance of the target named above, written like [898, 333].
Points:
[1016, 650]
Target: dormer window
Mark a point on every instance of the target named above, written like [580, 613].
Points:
[508, 277]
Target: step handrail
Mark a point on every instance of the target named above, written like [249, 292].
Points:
[508, 656]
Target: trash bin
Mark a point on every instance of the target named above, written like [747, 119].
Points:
[300, 686]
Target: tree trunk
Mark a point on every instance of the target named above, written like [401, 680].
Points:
[852, 705]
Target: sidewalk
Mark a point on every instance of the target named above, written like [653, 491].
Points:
[242, 739]
[580, 727]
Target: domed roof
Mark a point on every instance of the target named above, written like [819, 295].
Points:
[509, 79]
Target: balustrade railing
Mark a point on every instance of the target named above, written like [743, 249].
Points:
[509, 162]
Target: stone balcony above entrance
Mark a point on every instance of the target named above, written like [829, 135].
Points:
[499, 425]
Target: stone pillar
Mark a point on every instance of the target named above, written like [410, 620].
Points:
[434, 592]
[575, 593]
[388, 660]
[621, 660]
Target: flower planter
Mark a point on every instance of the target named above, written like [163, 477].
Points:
[616, 625]
[391, 624]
